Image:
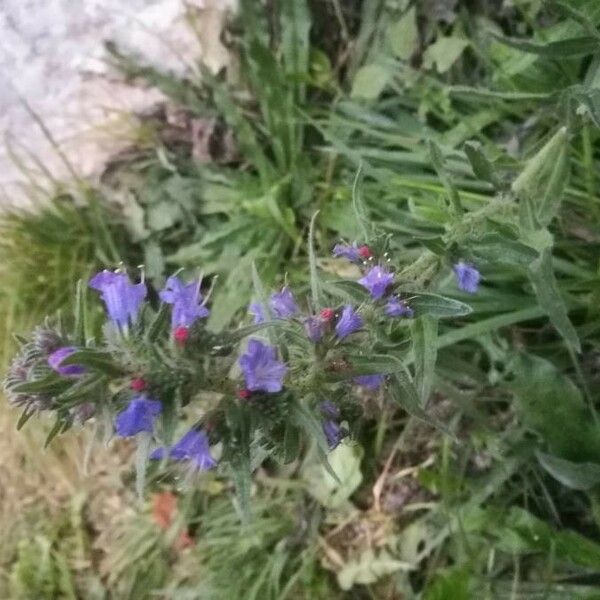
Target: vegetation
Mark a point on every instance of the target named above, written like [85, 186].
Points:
[435, 132]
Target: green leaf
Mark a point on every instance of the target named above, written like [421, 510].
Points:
[346, 290]
[542, 277]
[370, 81]
[94, 360]
[333, 492]
[444, 52]
[159, 323]
[450, 584]
[292, 443]
[307, 422]
[79, 330]
[242, 478]
[424, 339]
[499, 249]
[401, 386]
[569, 48]
[59, 426]
[50, 384]
[360, 212]
[163, 215]
[521, 532]
[81, 388]
[437, 160]
[295, 25]
[481, 166]
[25, 416]
[404, 35]
[546, 171]
[315, 285]
[575, 475]
[435, 305]
[550, 404]
[553, 190]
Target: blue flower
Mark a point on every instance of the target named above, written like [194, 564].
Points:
[283, 304]
[186, 300]
[377, 280]
[257, 310]
[139, 416]
[371, 382]
[315, 328]
[467, 277]
[193, 446]
[347, 251]
[333, 433]
[348, 323]
[56, 358]
[122, 298]
[398, 308]
[262, 371]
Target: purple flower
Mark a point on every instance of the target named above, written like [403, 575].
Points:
[56, 358]
[315, 328]
[348, 323]
[193, 446]
[329, 409]
[257, 310]
[347, 251]
[467, 277]
[333, 433]
[398, 308]
[377, 280]
[186, 300]
[371, 382]
[283, 304]
[122, 298]
[262, 371]
[139, 416]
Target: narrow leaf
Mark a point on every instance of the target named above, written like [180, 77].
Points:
[542, 277]
[314, 276]
[424, 337]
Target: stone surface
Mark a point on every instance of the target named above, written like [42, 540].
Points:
[52, 58]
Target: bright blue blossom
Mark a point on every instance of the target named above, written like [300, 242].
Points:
[56, 358]
[315, 328]
[193, 447]
[351, 252]
[467, 277]
[377, 280]
[371, 382]
[348, 323]
[139, 416]
[262, 371]
[283, 304]
[257, 310]
[186, 300]
[331, 428]
[334, 433]
[398, 308]
[122, 298]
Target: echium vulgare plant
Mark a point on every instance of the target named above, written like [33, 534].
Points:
[263, 390]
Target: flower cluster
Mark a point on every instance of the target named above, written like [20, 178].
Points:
[153, 358]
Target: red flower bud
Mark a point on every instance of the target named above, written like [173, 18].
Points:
[138, 384]
[365, 252]
[181, 335]
[327, 314]
[243, 394]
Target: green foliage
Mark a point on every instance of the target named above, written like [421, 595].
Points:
[475, 136]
